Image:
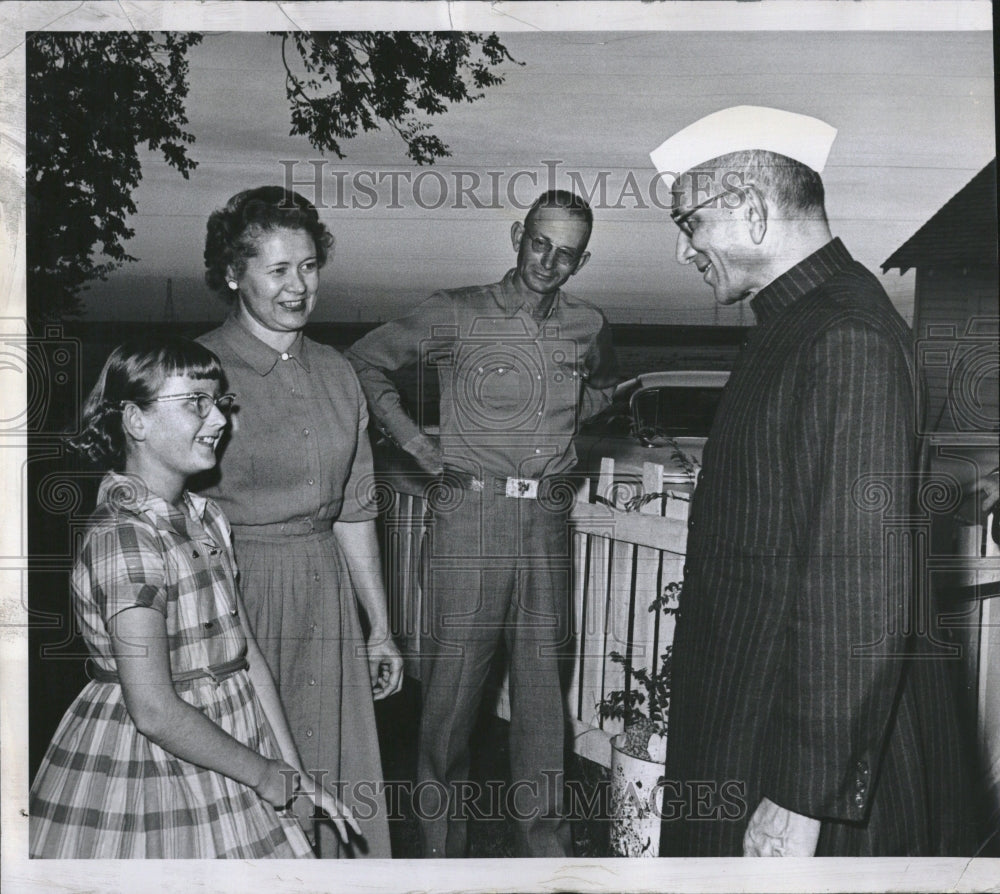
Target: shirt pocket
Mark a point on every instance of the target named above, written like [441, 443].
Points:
[500, 387]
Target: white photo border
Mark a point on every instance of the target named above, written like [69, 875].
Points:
[665, 875]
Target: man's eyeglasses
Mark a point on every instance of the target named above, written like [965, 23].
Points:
[683, 218]
[564, 257]
[201, 401]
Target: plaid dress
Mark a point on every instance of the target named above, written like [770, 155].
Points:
[106, 791]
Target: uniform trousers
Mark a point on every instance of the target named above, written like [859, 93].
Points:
[498, 570]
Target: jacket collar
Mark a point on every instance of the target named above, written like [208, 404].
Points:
[805, 276]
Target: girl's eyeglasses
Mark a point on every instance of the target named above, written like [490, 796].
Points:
[202, 402]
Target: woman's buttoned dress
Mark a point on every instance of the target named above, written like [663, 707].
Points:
[296, 460]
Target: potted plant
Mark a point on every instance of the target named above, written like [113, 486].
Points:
[638, 753]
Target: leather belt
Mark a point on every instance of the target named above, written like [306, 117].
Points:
[214, 672]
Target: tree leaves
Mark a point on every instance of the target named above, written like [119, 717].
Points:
[92, 99]
[385, 77]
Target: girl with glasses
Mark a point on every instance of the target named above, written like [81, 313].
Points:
[178, 746]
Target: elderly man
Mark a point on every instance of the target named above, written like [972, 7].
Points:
[793, 682]
[518, 363]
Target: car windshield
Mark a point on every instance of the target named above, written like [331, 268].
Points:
[677, 412]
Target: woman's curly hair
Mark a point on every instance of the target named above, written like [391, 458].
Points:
[133, 373]
[233, 231]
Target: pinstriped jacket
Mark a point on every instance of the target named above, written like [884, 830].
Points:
[791, 675]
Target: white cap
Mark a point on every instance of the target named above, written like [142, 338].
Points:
[739, 128]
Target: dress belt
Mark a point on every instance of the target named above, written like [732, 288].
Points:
[215, 672]
[297, 527]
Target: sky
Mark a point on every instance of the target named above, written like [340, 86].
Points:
[914, 112]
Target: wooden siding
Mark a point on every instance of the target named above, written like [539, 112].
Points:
[955, 326]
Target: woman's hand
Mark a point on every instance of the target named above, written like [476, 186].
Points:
[385, 665]
[325, 801]
[359, 543]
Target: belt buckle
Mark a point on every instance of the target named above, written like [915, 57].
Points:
[522, 488]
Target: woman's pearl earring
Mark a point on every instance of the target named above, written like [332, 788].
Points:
[232, 284]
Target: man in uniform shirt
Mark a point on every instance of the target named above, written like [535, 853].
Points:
[518, 363]
[792, 681]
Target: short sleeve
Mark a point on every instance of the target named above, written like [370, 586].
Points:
[359, 490]
[123, 567]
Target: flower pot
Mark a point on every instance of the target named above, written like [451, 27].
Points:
[636, 799]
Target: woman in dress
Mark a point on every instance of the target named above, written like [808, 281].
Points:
[295, 480]
[177, 747]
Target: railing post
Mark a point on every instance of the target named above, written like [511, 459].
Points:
[606, 480]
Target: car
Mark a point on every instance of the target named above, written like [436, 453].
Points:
[657, 417]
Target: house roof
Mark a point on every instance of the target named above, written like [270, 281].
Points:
[963, 231]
